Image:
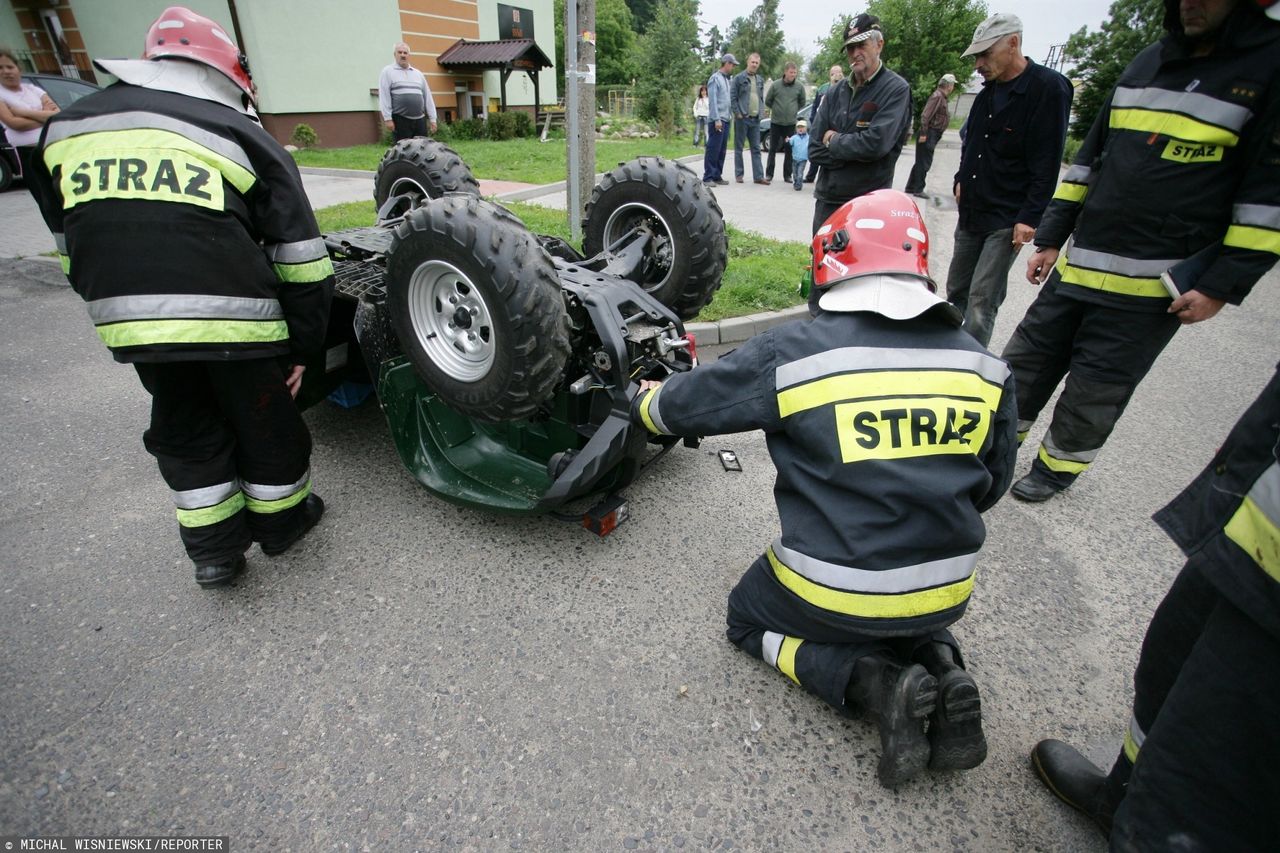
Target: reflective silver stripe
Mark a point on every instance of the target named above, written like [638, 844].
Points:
[771, 644]
[1136, 733]
[1205, 108]
[259, 492]
[1023, 426]
[654, 415]
[142, 120]
[60, 242]
[297, 253]
[845, 359]
[1259, 215]
[1079, 175]
[1266, 493]
[1051, 447]
[902, 579]
[169, 306]
[207, 496]
[1106, 262]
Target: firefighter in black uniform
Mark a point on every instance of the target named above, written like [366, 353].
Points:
[1184, 157]
[1197, 769]
[891, 431]
[185, 228]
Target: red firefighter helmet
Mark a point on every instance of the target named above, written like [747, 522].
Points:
[180, 33]
[876, 247]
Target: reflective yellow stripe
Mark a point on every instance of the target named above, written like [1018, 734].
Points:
[1172, 124]
[910, 427]
[885, 383]
[302, 273]
[645, 402]
[1257, 535]
[1022, 435]
[1061, 465]
[65, 262]
[1110, 282]
[787, 658]
[1258, 239]
[895, 606]
[1070, 192]
[1130, 748]
[267, 507]
[154, 165]
[205, 516]
[148, 332]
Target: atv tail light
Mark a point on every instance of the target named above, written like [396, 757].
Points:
[602, 518]
[693, 347]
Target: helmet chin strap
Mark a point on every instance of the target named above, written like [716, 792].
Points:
[183, 77]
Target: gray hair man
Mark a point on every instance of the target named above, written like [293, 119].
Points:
[405, 98]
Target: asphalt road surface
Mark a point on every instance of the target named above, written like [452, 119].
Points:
[420, 676]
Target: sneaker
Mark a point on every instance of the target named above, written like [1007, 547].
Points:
[738, 178]
[723, 183]
[213, 575]
[765, 181]
[312, 510]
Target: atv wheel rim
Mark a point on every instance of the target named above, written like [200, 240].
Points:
[659, 257]
[452, 321]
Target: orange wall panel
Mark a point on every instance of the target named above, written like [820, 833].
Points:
[414, 24]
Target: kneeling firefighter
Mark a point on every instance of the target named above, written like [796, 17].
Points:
[891, 431]
[185, 228]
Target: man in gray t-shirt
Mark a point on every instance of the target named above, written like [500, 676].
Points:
[405, 98]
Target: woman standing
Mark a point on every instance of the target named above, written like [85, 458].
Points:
[24, 108]
[701, 109]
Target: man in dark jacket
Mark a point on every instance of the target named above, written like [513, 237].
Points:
[859, 131]
[891, 431]
[1197, 768]
[746, 97]
[1182, 162]
[185, 228]
[834, 75]
[933, 122]
[1008, 168]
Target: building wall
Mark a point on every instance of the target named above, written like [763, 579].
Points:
[519, 85]
[11, 35]
[32, 37]
[430, 27]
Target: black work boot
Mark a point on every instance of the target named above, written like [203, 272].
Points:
[212, 575]
[312, 509]
[956, 740]
[1036, 487]
[1075, 780]
[898, 698]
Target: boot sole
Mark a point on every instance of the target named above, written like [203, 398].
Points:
[904, 749]
[955, 733]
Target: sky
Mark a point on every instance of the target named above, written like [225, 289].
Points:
[1045, 22]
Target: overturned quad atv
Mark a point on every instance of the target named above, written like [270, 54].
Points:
[505, 362]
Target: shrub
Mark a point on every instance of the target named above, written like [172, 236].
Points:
[304, 136]
[502, 126]
[1070, 150]
[523, 124]
[666, 115]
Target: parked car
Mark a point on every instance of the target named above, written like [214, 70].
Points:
[765, 123]
[64, 91]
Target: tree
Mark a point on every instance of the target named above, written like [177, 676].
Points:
[669, 61]
[1102, 55]
[616, 44]
[642, 12]
[923, 41]
[713, 47]
[760, 32]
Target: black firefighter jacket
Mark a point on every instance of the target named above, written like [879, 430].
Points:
[1184, 155]
[889, 439]
[185, 228]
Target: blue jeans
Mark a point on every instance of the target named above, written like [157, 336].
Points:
[797, 174]
[747, 130]
[717, 146]
[700, 130]
[979, 277]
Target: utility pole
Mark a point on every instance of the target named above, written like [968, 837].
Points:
[580, 108]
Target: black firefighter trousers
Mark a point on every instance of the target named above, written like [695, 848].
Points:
[813, 647]
[233, 447]
[1202, 748]
[1103, 352]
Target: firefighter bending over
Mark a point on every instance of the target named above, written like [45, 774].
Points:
[184, 227]
[891, 430]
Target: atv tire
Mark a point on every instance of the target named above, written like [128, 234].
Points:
[685, 261]
[476, 304]
[421, 168]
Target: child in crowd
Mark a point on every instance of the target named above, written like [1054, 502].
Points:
[799, 142]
